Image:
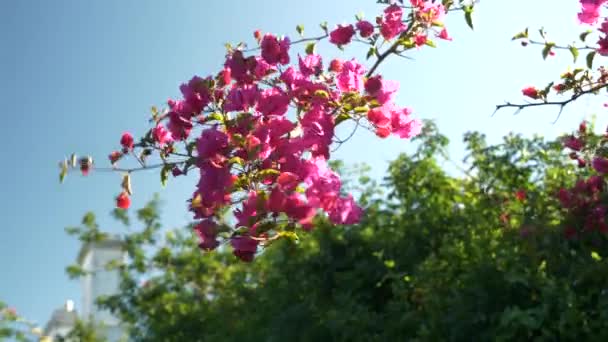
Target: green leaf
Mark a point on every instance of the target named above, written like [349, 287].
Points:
[310, 48]
[371, 52]
[268, 172]
[322, 93]
[521, 35]
[430, 43]
[342, 117]
[75, 271]
[574, 52]
[595, 256]
[300, 29]
[361, 109]
[389, 263]
[589, 58]
[323, 26]
[164, 174]
[468, 15]
[236, 160]
[584, 35]
[215, 116]
[547, 49]
[62, 174]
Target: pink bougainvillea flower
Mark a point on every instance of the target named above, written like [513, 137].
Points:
[241, 98]
[275, 51]
[603, 46]
[531, 92]
[310, 65]
[590, 11]
[206, 230]
[123, 201]
[346, 211]
[114, 157]
[244, 247]
[403, 124]
[272, 101]
[342, 35]
[161, 135]
[443, 34]
[600, 165]
[288, 181]
[420, 39]
[127, 141]
[351, 76]
[391, 25]
[573, 143]
[365, 28]
[520, 195]
[382, 90]
[335, 65]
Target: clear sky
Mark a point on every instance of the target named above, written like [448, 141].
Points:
[76, 74]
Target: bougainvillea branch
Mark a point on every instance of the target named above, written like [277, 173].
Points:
[259, 131]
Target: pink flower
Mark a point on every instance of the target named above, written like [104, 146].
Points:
[565, 198]
[288, 181]
[206, 231]
[604, 27]
[600, 165]
[241, 98]
[273, 101]
[127, 141]
[365, 28]
[196, 94]
[590, 11]
[391, 25]
[335, 65]
[161, 135]
[603, 46]
[420, 39]
[403, 125]
[295, 208]
[318, 131]
[444, 34]
[531, 92]
[520, 195]
[179, 125]
[114, 157]
[345, 211]
[380, 117]
[342, 35]
[351, 76]
[273, 51]
[381, 89]
[244, 247]
[262, 68]
[123, 201]
[211, 142]
[310, 65]
[573, 143]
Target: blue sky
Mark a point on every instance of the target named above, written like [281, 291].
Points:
[76, 74]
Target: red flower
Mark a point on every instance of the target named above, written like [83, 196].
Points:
[123, 201]
[531, 92]
[127, 141]
[520, 195]
[114, 157]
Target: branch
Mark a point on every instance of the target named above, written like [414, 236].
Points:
[519, 107]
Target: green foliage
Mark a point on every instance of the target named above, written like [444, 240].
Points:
[439, 256]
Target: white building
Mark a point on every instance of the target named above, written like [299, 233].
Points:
[98, 281]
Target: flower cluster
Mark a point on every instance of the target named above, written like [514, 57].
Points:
[590, 14]
[258, 133]
[585, 202]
